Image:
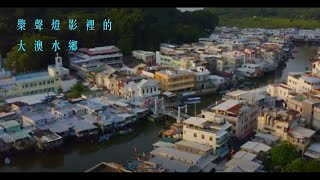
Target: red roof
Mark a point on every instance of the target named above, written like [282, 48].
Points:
[100, 50]
[292, 112]
[235, 109]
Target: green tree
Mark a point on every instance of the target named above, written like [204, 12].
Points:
[265, 158]
[295, 166]
[30, 60]
[132, 28]
[312, 166]
[283, 154]
[76, 91]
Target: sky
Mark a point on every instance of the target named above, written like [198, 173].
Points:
[189, 9]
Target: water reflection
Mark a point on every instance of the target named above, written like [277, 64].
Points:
[80, 157]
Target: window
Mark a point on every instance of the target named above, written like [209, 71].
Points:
[51, 81]
[155, 88]
[31, 85]
[202, 136]
[150, 90]
[142, 91]
[210, 138]
[48, 82]
[195, 135]
[147, 90]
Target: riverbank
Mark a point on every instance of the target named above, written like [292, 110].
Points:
[79, 157]
[76, 157]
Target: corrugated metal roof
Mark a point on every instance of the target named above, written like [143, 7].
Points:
[9, 124]
[314, 147]
[255, 147]
[196, 121]
[170, 164]
[227, 105]
[171, 152]
[194, 145]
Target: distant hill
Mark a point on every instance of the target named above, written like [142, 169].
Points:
[304, 13]
[306, 18]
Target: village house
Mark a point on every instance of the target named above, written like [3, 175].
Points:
[213, 132]
[132, 87]
[243, 161]
[6, 116]
[201, 76]
[302, 82]
[110, 55]
[184, 157]
[38, 119]
[287, 125]
[21, 139]
[304, 106]
[280, 91]
[19, 107]
[242, 116]
[175, 81]
[56, 79]
[6, 141]
[148, 57]
[46, 140]
[255, 147]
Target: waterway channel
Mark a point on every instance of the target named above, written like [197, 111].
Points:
[80, 157]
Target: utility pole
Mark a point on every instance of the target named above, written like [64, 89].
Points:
[179, 113]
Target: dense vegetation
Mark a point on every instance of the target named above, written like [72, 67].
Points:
[286, 158]
[132, 28]
[307, 18]
[76, 91]
[269, 23]
[303, 13]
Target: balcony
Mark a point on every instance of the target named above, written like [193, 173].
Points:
[202, 129]
[269, 128]
[176, 88]
[179, 81]
[223, 151]
[221, 141]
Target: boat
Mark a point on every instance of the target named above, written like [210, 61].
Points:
[269, 67]
[7, 161]
[104, 138]
[124, 132]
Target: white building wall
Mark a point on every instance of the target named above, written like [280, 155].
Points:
[278, 92]
[316, 118]
[189, 135]
[67, 84]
